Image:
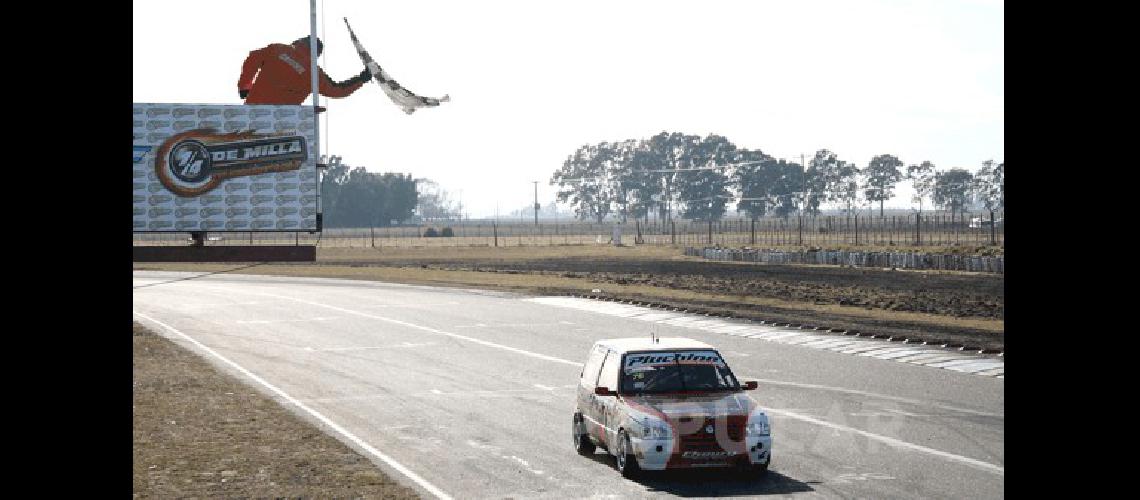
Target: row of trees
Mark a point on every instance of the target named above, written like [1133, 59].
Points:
[700, 176]
[354, 197]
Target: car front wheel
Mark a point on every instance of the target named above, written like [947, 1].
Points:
[626, 463]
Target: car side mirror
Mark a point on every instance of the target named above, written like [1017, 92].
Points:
[604, 391]
[751, 385]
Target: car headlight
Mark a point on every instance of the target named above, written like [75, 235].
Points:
[654, 429]
[758, 427]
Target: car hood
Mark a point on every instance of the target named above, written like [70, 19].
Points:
[710, 405]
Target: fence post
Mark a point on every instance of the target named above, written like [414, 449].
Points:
[800, 235]
[672, 232]
[856, 229]
[752, 240]
[917, 225]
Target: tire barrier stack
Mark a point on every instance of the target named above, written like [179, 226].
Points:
[896, 260]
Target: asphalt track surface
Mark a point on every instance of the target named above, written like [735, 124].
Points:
[469, 394]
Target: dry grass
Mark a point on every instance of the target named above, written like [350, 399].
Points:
[201, 434]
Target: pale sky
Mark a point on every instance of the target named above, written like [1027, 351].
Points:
[531, 81]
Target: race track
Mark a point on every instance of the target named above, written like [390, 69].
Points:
[469, 394]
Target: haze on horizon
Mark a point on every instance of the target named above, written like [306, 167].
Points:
[530, 82]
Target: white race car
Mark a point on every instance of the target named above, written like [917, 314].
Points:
[668, 403]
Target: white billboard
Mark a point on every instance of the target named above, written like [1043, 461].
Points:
[217, 168]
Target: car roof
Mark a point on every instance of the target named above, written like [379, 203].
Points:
[647, 344]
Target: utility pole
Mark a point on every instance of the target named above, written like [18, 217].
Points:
[535, 203]
[803, 196]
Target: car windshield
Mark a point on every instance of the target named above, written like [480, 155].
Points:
[675, 371]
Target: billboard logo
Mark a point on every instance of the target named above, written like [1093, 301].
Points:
[140, 153]
[258, 212]
[197, 161]
[159, 224]
[237, 224]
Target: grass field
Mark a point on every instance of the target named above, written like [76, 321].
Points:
[199, 433]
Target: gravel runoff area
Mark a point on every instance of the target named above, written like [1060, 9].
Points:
[200, 433]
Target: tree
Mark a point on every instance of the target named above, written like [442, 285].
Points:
[785, 191]
[434, 202]
[882, 173]
[989, 185]
[705, 192]
[634, 186]
[952, 189]
[753, 179]
[846, 186]
[355, 197]
[824, 181]
[922, 177]
[584, 181]
[668, 152]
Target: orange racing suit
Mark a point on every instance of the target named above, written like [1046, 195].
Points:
[279, 74]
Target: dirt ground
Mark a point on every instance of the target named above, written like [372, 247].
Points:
[199, 433]
[957, 307]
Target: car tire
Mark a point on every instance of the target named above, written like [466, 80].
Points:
[761, 470]
[582, 442]
[626, 462]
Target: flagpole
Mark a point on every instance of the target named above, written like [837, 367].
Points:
[313, 71]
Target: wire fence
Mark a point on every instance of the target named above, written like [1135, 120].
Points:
[821, 231]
